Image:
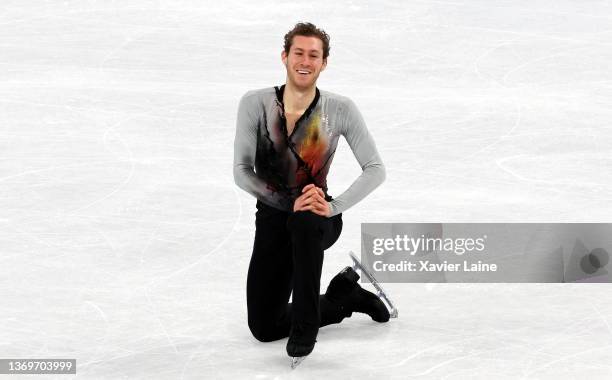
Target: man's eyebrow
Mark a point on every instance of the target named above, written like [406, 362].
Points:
[312, 51]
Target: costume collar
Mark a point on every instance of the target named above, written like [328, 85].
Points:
[280, 91]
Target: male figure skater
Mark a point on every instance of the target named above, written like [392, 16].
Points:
[289, 134]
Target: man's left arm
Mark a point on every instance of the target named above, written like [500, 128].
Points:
[355, 131]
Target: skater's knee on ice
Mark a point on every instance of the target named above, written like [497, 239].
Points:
[263, 336]
[304, 221]
[263, 332]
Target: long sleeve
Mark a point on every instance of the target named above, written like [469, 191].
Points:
[245, 149]
[361, 143]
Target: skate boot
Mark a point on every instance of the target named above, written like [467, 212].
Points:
[380, 291]
[302, 339]
[344, 291]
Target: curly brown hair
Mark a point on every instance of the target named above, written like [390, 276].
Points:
[309, 30]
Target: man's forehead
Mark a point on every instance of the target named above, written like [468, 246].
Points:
[307, 43]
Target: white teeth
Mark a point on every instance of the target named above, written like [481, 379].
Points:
[303, 72]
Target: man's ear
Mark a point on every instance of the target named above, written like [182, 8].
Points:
[284, 58]
[324, 64]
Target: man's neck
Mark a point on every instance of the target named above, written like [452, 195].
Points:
[295, 100]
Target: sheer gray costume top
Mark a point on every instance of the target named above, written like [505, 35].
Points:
[274, 166]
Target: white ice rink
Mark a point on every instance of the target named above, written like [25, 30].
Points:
[124, 242]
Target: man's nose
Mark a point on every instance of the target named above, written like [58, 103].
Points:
[307, 60]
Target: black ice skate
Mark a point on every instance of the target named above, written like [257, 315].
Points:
[393, 312]
[302, 339]
[344, 292]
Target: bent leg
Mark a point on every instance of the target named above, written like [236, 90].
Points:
[271, 269]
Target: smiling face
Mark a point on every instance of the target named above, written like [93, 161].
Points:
[304, 62]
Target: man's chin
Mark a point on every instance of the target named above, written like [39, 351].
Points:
[303, 85]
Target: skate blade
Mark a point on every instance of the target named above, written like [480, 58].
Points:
[296, 360]
[393, 312]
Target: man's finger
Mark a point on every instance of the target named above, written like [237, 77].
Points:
[314, 188]
[310, 194]
[324, 207]
[308, 201]
[319, 211]
[316, 208]
[312, 198]
[306, 194]
[318, 190]
[298, 204]
[311, 188]
[321, 196]
[304, 208]
[307, 187]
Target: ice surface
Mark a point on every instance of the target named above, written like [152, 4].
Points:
[125, 243]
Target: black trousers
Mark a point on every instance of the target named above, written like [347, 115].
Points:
[288, 256]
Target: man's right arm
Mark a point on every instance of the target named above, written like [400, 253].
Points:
[245, 148]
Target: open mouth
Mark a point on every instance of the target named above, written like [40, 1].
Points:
[303, 72]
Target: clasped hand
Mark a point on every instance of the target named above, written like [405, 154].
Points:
[312, 199]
